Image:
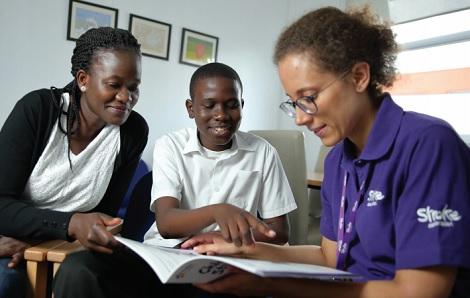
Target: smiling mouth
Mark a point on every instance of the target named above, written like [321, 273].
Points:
[319, 130]
[121, 109]
[220, 130]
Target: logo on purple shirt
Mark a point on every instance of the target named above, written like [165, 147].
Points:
[374, 197]
[434, 218]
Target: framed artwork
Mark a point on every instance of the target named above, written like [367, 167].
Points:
[84, 15]
[198, 48]
[153, 36]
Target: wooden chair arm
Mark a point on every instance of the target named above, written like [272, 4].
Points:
[58, 254]
[38, 253]
[37, 268]
[54, 251]
[61, 251]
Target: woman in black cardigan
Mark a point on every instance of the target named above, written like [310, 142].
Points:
[67, 155]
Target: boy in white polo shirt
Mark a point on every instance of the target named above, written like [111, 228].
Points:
[215, 178]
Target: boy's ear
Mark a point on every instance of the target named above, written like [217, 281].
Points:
[189, 108]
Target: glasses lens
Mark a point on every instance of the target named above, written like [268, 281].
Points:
[288, 108]
[307, 105]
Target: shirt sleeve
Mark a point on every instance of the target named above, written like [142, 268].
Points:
[276, 197]
[433, 209]
[327, 219]
[166, 178]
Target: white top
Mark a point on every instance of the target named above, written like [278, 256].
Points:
[249, 175]
[54, 185]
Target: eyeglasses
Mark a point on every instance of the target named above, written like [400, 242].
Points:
[306, 103]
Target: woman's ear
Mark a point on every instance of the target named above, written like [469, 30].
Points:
[189, 108]
[82, 78]
[361, 76]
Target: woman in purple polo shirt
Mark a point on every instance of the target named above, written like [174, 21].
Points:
[396, 192]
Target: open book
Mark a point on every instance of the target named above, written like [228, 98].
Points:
[186, 266]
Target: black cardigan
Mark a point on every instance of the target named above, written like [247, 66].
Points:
[23, 138]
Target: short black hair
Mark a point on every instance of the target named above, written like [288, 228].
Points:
[211, 70]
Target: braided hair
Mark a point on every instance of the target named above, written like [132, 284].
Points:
[87, 45]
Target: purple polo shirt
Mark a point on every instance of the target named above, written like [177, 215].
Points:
[416, 207]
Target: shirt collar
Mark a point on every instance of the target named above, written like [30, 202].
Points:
[383, 133]
[193, 144]
[242, 142]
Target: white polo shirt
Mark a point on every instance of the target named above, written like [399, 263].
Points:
[249, 175]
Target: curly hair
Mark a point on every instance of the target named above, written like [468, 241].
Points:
[87, 45]
[337, 40]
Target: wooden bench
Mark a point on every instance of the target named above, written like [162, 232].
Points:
[41, 258]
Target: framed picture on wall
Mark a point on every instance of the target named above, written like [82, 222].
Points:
[198, 48]
[153, 36]
[84, 15]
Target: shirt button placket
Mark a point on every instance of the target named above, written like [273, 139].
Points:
[215, 185]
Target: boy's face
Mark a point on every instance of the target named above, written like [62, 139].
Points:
[217, 110]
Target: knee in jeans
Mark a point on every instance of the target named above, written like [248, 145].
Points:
[12, 280]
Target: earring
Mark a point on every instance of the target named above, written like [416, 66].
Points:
[83, 88]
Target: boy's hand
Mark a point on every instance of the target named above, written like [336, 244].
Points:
[236, 225]
[90, 229]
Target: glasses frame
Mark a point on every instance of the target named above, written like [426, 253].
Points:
[289, 106]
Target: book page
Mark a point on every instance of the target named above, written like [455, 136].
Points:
[177, 265]
[185, 266]
[285, 269]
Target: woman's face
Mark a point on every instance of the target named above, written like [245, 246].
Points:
[112, 86]
[338, 103]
